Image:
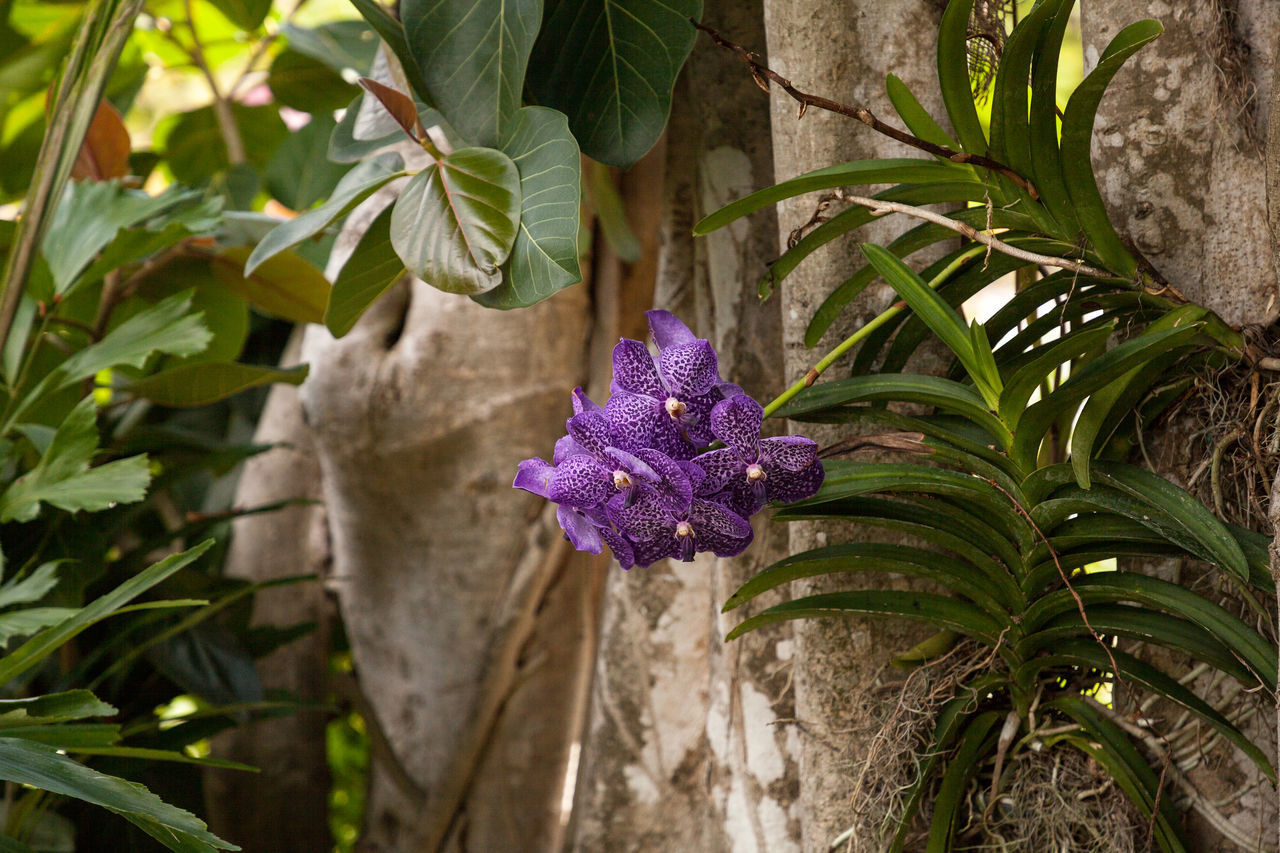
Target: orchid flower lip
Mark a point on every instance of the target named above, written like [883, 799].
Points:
[675, 408]
[756, 472]
[621, 479]
[683, 530]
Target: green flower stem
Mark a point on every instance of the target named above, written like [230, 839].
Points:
[858, 336]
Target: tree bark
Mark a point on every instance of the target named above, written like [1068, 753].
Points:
[682, 752]
[281, 807]
[842, 51]
[1196, 103]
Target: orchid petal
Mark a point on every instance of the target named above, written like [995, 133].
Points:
[689, 370]
[737, 423]
[634, 370]
[788, 486]
[667, 330]
[534, 476]
[591, 430]
[579, 530]
[580, 482]
[674, 485]
[788, 453]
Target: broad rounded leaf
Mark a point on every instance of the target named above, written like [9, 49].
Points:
[472, 58]
[307, 84]
[372, 268]
[285, 286]
[610, 65]
[544, 259]
[456, 221]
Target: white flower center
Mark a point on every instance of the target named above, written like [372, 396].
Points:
[755, 473]
[621, 479]
[683, 530]
[675, 408]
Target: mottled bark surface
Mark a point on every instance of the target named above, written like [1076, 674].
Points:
[282, 807]
[1178, 150]
[842, 51]
[683, 753]
[1180, 154]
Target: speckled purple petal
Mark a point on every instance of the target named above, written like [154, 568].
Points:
[739, 497]
[579, 530]
[632, 464]
[667, 330]
[694, 472]
[618, 544]
[632, 420]
[718, 529]
[634, 370]
[689, 370]
[580, 482]
[695, 424]
[788, 486]
[721, 467]
[648, 553]
[788, 453]
[728, 389]
[583, 403]
[591, 430]
[566, 447]
[737, 422]
[673, 484]
[646, 518]
[535, 476]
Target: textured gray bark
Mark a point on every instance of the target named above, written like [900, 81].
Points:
[458, 596]
[682, 753]
[842, 51]
[1179, 150]
[1182, 162]
[278, 809]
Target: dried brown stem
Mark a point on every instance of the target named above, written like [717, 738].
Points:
[763, 75]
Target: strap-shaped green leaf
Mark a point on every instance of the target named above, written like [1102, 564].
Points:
[953, 76]
[472, 57]
[1141, 623]
[544, 259]
[1098, 373]
[914, 116]
[456, 221]
[936, 391]
[390, 31]
[1110, 746]
[857, 173]
[53, 708]
[936, 610]
[1024, 381]
[956, 575]
[1046, 162]
[940, 317]
[1077, 133]
[857, 216]
[976, 741]
[1116, 587]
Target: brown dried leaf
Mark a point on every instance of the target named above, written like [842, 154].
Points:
[105, 152]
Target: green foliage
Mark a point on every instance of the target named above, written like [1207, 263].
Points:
[1012, 483]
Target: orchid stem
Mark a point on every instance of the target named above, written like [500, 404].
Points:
[863, 332]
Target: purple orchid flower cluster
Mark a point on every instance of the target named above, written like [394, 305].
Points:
[636, 473]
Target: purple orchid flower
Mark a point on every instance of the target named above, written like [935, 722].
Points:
[587, 527]
[752, 471]
[664, 401]
[658, 531]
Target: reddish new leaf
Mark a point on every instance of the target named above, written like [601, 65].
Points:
[400, 105]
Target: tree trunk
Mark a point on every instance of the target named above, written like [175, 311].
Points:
[280, 808]
[1196, 103]
[682, 753]
[842, 51]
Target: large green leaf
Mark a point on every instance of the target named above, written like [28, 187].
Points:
[937, 610]
[1077, 136]
[47, 641]
[194, 148]
[32, 587]
[859, 172]
[305, 83]
[1089, 653]
[28, 620]
[953, 76]
[472, 57]
[53, 708]
[64, 479]
[208, 382]
[300, 173]
[544, 259]
[610, 65]
[956, 575]
[1026, 379]
[44, 767]
[355, 187]
[916, 117]
[1046, 162]
[976, 741]
[372, 268]
[246, 14]
[284, 285]
[341, 45]
[456, 221]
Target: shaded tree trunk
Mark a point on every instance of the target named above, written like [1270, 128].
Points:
[842, 51]
[682, 752]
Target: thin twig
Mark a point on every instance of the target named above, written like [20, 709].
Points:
[880, 206]
[221, 106]
[763, 75]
